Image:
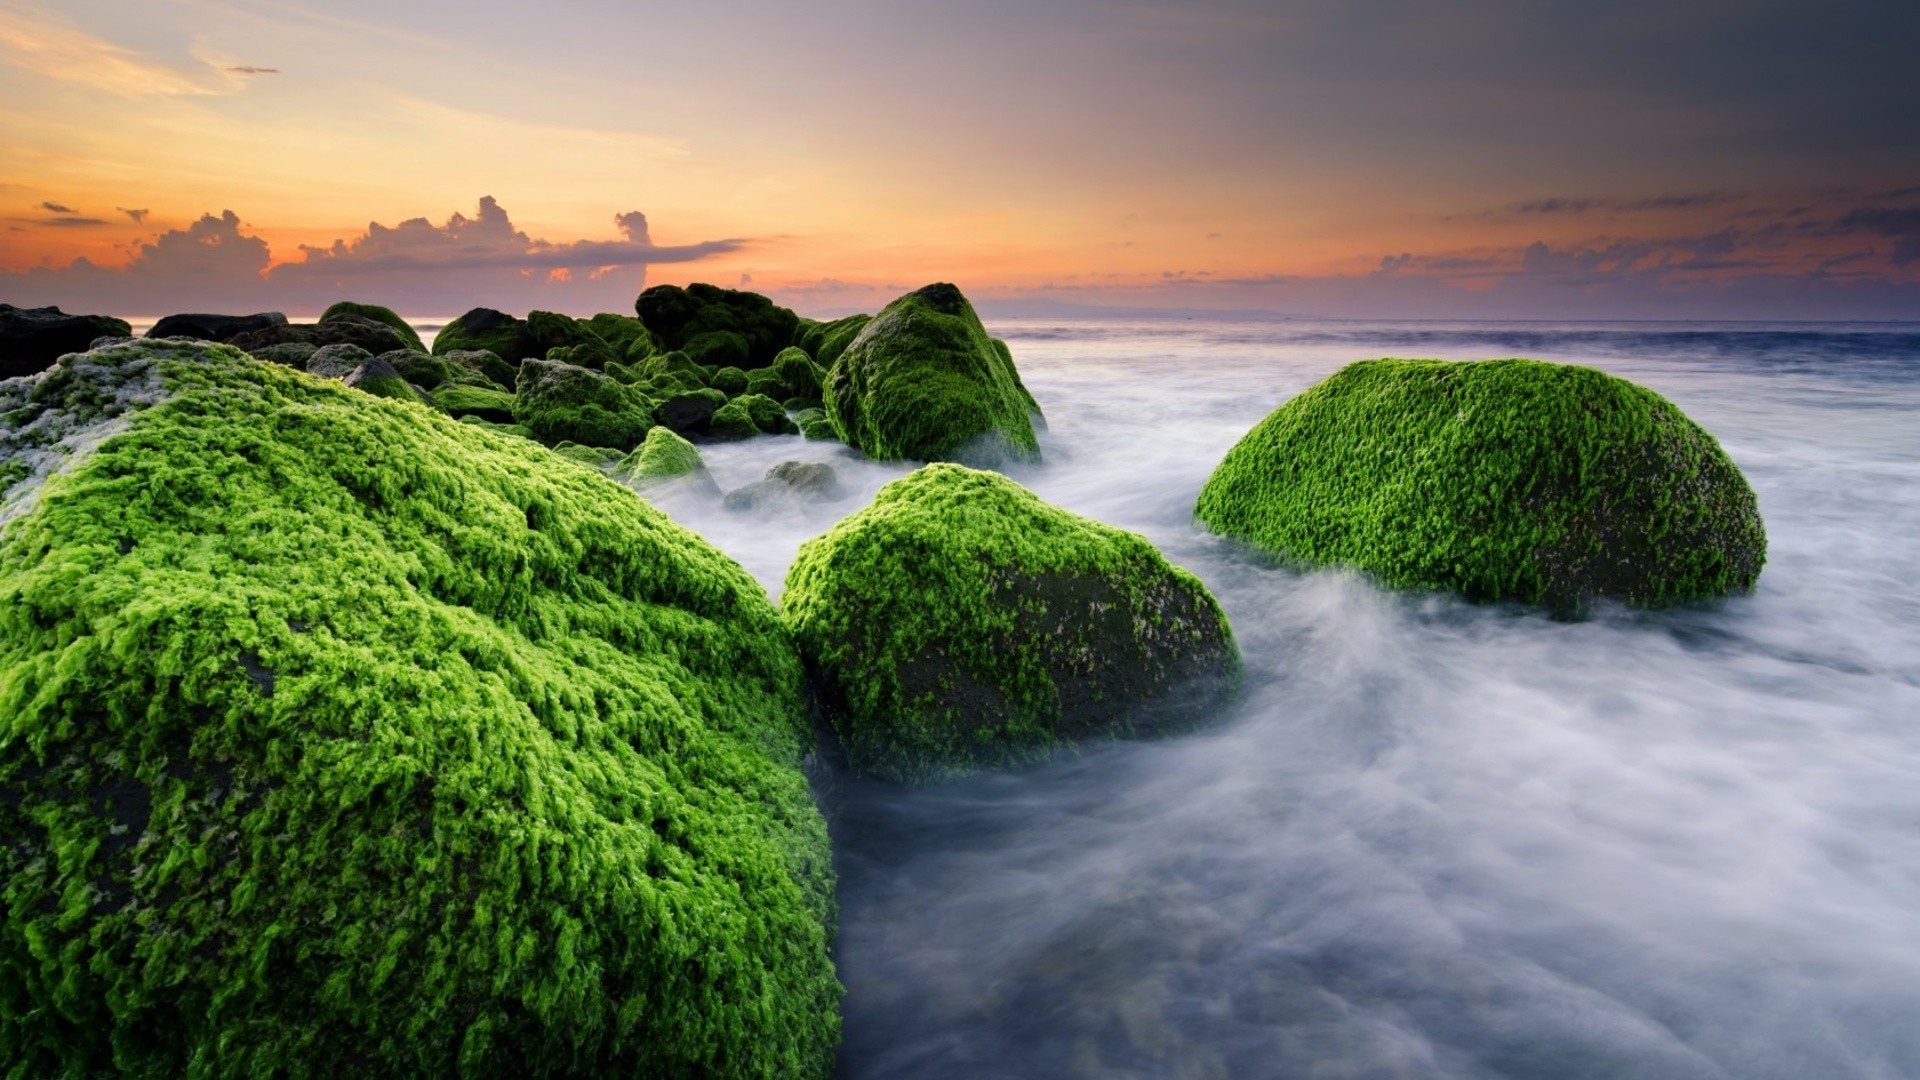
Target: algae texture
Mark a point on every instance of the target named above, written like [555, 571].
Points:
[924, 382]
[959, 622]
[378, 314]
[562, 402]
[664, 454]
[337, 737]
[1547, 484]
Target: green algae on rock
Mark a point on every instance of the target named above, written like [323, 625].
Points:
[825, 341]
[566, 403]
[1500, 479]
[924, 382]
[486, 403]
[740, 322]
[494, 331]
[377, 314]
[665, 459]
[959, 622]
[340, 737]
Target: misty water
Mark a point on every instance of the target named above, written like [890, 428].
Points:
[1432, 838]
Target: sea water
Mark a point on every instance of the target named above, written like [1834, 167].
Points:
[1431, 838]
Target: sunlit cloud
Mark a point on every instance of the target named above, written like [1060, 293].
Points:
[39, 43]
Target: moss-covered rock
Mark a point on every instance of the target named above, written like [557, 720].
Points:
[383, 315]
[293, 354]
[689, 411]
[768, 415]
[672, 363]
[494, 331]
[567, 339]
[210, 327]
[959, 622]
[378, 377]
[603, 458]
[334, 361]
[665, 459]
[923, 382]
[678, 316]
[564, 403]
[489, 364]
[732, 422]
[730, 381]
[767, 383]
[485, 402]
[1501, 479]
[342, 329]
[818, 429]
[427, 371]
[343, 738]
[721, 348]
[798, 376]
[826, 341]
[626, 335]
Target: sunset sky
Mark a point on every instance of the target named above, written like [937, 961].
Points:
[1714, 159]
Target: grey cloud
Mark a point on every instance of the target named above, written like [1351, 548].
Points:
[1901, 224]
[57, 208]
[70, 222]
[138, 216]
[249, 69]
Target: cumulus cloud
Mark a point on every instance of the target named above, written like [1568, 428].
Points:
[217, 263]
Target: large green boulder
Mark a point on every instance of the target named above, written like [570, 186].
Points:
[959, 622]
[378, 314]
[494, 331]
[665, 459]
[565, 403]
[677, 317]
[924, 382]
[340, 738]
[825, 341]
[1500, 479]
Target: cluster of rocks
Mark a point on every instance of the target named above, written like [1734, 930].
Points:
[527, 760]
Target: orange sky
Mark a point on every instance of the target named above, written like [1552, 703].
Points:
[1095, 152]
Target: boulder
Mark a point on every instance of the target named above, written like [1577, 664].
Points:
[749, 415]
[1500, 480]
[33, 338]
[790, 482]
[207, 327]
[924, 382]
[729, 380]
[293, 354]
[333, 361]
[665, 459]
[485, 402]
[377, 377]
[798, 376]
[566, 403]
[375, 337]
[677, 317]
[494, 331]
[347, 739]
[603, 458]
[719, 348]
[959, 622]
[497, 371]
[689, 412]
[825, 341]
[427, 371]
[818, 429]
[384, 316]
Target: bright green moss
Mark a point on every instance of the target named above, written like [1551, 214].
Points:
[663, 455]
[486, 364]
[819, 429]
[960, 622]
[826, 341]
[487, 404]
[729, 380]
[337, 737]
[923, 382]
[565, 403]
[798, 377]
[732, 422]
[768, 415]
[1503, 479]
[377, 314]
[593, 457]
[625, 334]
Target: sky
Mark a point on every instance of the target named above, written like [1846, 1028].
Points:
[1721, 159]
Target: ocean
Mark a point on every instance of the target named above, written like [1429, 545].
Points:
[1431, 839]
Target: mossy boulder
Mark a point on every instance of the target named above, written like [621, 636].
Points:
[334, 361]
[497, 332]
[343, 738]
[565, 338]
[485, 402]
[825, 341]
[924, 382]
[293, 354]
[689, 411]
[818, 429]
[768, 415]
[603, 458]
[497, 371]
[798, 374]
[565, 403]
[729, 380]
[1500, 480]
[383, 315]
[33, 338]
[378, 377]
[678, 316]
[427, 371]
[342, 329]
[721, 348]
[625, 334]
[959, 622]
[665, 459]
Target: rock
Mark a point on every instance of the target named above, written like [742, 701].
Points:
[789, 481]
[427, 371]
[293, 354]
[677, 316]
[494, 331]
[603, 458]
[564, 338]
[722, 348]
[497, 371]
[689, 412]
[797, 374]
[625, 334]
[377, 377]
[33, 338]
[1500, 480]
[565, 403]
[767, 383]
[410, 337]
[729, 380]
[826, 341]
[804, 405]
[819, 429]
[959, 622]
[924, 382]
[375, 337]
[214, 327]
[346, 739]
[334, 361]
[487, 403]
[749, 415]
[663, 460]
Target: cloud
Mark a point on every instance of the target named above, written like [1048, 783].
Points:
[55, 50]
[139, 216]
[249, 69]
[217, 263]
[1553, 205]
[68, 221]
[57, 208]
[1901, 224]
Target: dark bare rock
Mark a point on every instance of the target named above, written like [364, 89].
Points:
[31, 339]
[206, 327]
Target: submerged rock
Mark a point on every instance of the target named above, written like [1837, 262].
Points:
[344, 738]
[789, 481]
[1500, 479]
[208, 327]
[565, 403]
[924, 382]
[410, 337]
[959, 622]
[32, 338]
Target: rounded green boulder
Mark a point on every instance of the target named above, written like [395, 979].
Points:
[959, 622]
[1548, 484]
[338, 737]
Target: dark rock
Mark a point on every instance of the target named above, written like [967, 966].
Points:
[334, 361]
[381, 315]
[789, 481]
[689, 412]
[293, 354]
[207, 327]
[495, 331]
[31, 339]
[678, 316]
[375, 337]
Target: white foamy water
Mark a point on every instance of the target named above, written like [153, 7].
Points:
[1432, 839]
